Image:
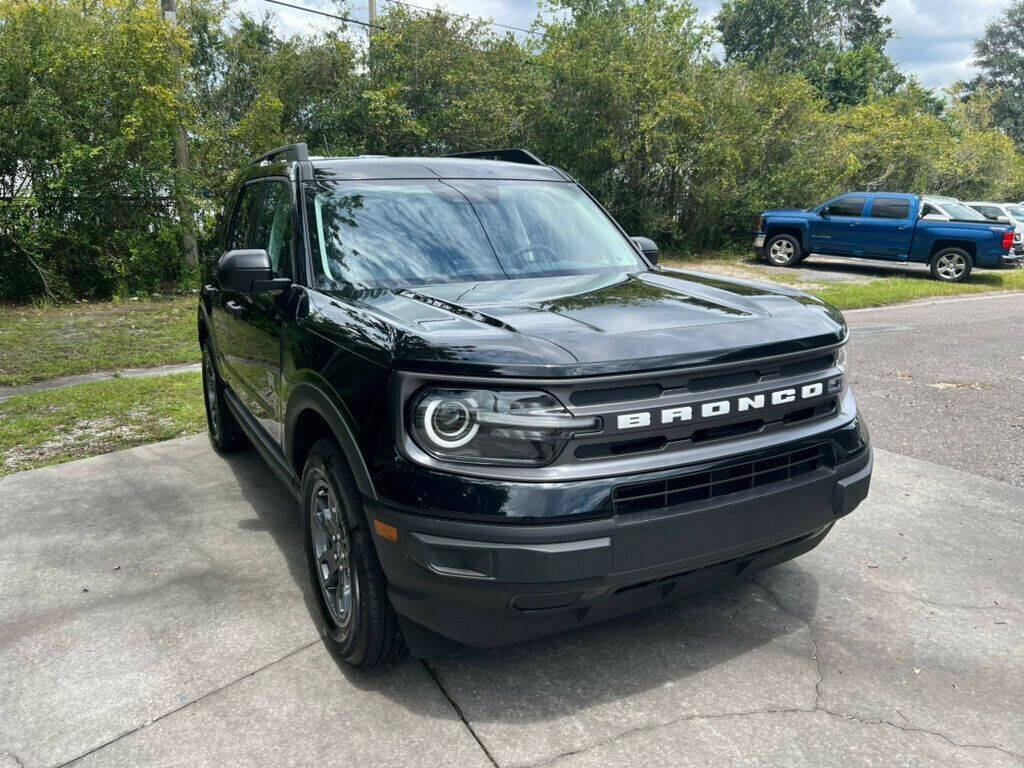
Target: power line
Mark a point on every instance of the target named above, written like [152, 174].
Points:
[462, 16]
[349, 19]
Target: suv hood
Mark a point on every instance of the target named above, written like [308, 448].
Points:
[594, 324]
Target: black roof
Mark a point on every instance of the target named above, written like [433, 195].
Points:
[370, 167]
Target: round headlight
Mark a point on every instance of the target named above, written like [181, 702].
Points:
[449, 423]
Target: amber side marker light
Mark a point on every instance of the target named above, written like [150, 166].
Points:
[385, 531]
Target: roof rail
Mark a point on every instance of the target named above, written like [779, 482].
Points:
[508, 155]
[294, 152]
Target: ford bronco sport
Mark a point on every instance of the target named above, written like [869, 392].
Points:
[500, 417]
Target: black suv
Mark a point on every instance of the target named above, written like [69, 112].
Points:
[500, 416]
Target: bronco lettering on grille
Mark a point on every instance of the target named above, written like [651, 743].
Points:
[733, 405]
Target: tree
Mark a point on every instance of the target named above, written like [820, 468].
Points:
[999, 54]
[839, 45]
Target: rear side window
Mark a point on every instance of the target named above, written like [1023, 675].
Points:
[852, 205]
[242, 223]
[273, 226]
[988, 211]
[890, 208]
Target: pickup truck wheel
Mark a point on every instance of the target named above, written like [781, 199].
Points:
[225, 434]
[353, 613]
[783, 251]
[951, 265]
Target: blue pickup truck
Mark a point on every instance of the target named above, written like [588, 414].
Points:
[947, 235]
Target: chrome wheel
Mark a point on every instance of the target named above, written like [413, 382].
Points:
[332, 555]
[210, 391]
[781, 252]
[951, 266]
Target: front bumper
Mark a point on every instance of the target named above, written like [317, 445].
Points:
[488, 584]
[1014, 258]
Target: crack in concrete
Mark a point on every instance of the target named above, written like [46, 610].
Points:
[188, 704]
[458, 711]
[14, 757]
[870, 722]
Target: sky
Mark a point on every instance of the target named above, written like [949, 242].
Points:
[933, 38]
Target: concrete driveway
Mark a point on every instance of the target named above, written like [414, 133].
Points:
[153, 613]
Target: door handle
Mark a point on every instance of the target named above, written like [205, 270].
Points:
[234, 308]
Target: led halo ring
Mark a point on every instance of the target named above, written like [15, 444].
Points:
[440, 442]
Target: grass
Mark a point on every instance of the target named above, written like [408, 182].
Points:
[60, 425]
[874, 289]
[895, 290]
[50, 341]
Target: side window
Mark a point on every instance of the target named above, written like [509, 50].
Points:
[851, 205]
[927, 209]
[273, 229]
[242, 222]
[988, 211]
[890, 208]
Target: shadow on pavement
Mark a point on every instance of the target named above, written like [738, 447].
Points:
[560, 674]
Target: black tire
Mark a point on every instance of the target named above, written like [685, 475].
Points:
[783, 251]
[951, 265]
[355, 617]
[225, 434]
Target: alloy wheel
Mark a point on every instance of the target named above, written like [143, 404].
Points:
[210, 391]
[951, 266]
[332, 555]
[781, 251]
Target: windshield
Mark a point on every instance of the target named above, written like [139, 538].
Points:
[963, 212]
[395, 234]
[1017, 211]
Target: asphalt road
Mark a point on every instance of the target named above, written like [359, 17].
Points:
[944, 381]
[153, 613]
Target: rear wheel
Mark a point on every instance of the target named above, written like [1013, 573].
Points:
[783, 251]
[354, 615]
[951, 265]
[225, 434]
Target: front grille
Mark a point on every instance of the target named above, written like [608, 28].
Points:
[722, 481]
[615, 394]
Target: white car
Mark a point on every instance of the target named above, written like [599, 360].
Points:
[1004, 213]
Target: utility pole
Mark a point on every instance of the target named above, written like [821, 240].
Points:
[371, 7]
[188, 240]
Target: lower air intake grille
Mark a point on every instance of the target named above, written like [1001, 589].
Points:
[701, 486]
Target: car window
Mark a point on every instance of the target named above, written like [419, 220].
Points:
[927, 209]
[890, 208]
[1017, 211]
[961, 212]
[988, 211]
[396, 234]
[851, 205]
[273, 229]
[242, 223]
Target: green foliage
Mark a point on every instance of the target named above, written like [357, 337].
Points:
[837, 44]
[624, 95]
[89, 97]
[999, 54]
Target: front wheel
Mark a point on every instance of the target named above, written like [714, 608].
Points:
[354, 615]
[951, 265]
[783, 251]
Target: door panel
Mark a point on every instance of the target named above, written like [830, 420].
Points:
[226, 306]
[887, 229]
[837, 230]
[260, 327]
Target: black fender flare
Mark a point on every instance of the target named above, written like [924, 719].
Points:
[310, 395]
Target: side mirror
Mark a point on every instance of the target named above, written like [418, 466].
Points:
[1003, 219]
[823, 212]
[648, 248]
[248, 271]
